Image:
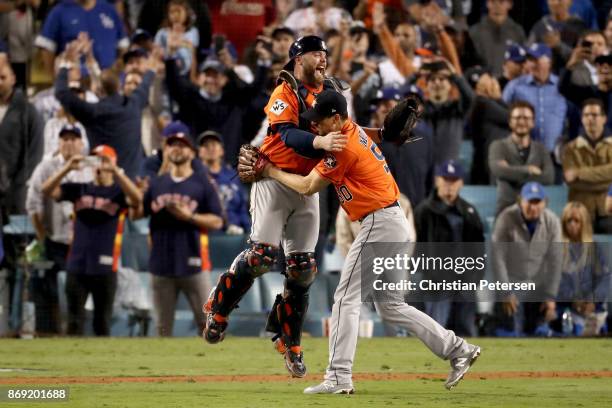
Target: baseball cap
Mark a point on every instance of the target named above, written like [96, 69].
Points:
[604, 59]
[105, 151]
[140, 35]
[533, 191]
[539, 50]
[282, 30]
[515, 53]
[174, 128]
[209, 134]
[70, 129]
[449, 168]
[213, 64]
[357, 27]
[328, 103]
[473, 74]
[135, 53]
[388, 94]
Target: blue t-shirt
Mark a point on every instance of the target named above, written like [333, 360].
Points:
[96, 245]
[68, 18]
[233, 197]
[179, 248]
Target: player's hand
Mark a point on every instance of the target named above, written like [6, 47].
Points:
[332, 142]
[179, 211]
[510, 306]
[378, 17]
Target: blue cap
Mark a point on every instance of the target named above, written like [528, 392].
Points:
[516, 53]
[388, 94]
[450, 168]
[140, 35]
[533, 191]
[70, 129]
[539, 50]
[175, 128]
[135, 53]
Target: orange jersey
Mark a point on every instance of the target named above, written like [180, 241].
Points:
[283, 107]
[360, 174]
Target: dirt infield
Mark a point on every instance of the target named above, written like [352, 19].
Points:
[494, 375]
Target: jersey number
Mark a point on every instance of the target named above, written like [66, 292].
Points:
[379, 156]
[344, 194]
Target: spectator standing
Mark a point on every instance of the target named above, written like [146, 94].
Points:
[603, 90]
[216, 102]
[540, 90]
[559, 30]
[232, 194]
[54, 126]
[68, 19]
[527, 248]
[587, 165]
[53, 225]
[178, 37]
[514, 64]
[21, 143]
[493, 33]
[591, 45]
[488, 121]
[518, 159]
[446, 217]
[100, 207]
[18, 18]
[445, 115]
[117, 119]
[316, 19]
[183, 207]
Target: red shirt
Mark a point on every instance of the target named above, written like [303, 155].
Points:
[241, 20]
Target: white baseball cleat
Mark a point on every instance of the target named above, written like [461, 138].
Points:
[328, 387]
[460, 366]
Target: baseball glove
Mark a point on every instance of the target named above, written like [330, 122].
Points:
[251, 163]
[402, 118]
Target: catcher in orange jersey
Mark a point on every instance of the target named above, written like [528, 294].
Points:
[279, 214]
[368, 193]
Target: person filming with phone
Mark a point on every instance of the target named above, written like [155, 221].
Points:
[100, 208]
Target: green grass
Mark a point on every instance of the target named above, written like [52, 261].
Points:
[190, 357]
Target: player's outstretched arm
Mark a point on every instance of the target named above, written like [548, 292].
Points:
[309, 185]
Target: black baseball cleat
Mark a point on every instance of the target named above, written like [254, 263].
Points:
[295, 364]
[214, 332]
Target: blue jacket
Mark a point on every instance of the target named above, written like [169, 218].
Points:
[114, 121]
[233, 197]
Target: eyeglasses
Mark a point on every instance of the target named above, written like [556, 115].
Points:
[591, 115]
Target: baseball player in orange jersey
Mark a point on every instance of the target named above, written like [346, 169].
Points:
[367, 192]
[279, 214]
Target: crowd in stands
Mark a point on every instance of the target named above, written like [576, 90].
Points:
[163, 93]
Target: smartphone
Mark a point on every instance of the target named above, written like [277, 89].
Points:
[218, 42]
[92, 161]
[586, 44]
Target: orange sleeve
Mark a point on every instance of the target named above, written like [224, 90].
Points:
[334, 166]
[449, 51]
[395, 53]
[282, 106]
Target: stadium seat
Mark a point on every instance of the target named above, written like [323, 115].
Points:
[466, 156]
[483, 198]
[557, 197]
[18, 225]
[224, 248]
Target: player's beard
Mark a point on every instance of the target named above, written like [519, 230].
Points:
[312, 76]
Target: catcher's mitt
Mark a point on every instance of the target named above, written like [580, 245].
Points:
[402, 118]
[251, 163]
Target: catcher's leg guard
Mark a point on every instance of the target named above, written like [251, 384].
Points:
[233, 285]
[289, 310]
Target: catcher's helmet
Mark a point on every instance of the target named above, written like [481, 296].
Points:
[303, 45]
